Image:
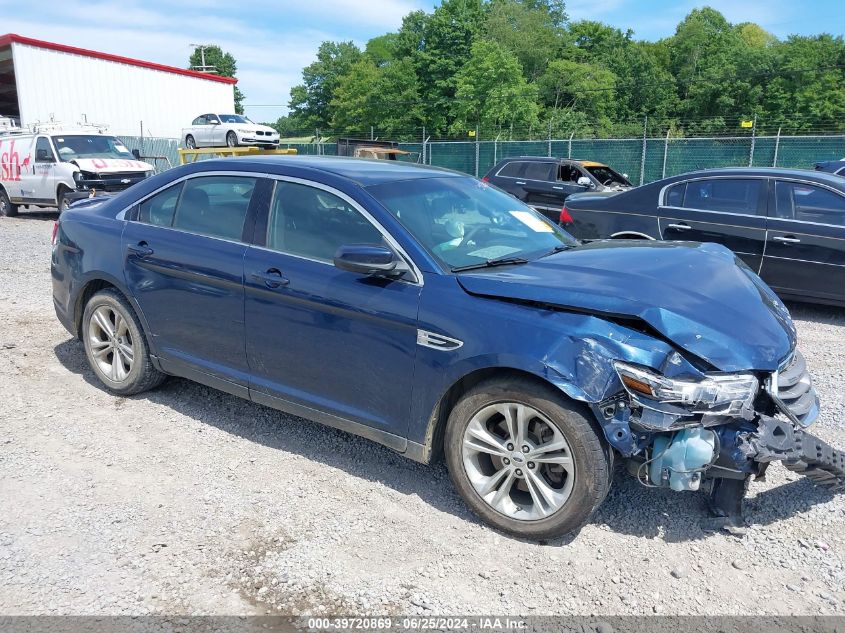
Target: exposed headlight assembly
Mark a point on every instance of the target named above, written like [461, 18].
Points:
[718, 394]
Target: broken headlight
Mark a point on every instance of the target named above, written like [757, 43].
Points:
[723, 394]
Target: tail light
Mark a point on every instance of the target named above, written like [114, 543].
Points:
[565, 217]
[55, 233]
[485, 179]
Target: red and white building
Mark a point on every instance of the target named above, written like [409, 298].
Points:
[43, 81]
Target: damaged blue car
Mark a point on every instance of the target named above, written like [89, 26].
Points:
[437, 315]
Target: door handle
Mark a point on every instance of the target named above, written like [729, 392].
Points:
[679, 227]
[786, 239]
[558, 188]
[520, 182]
[271, 278]
[141, 250]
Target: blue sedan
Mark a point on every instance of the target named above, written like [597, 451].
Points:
[437, 315]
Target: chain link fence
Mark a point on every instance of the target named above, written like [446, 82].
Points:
[643, 159]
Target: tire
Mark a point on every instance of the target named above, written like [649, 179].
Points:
[231, 139]
[62, 202]
[544, 499]
[7, 209]
[119, 372]
[190, 143]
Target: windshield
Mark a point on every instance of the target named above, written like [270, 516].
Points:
[463, 221]
[234, 118]
[607, 176]
[90, 146]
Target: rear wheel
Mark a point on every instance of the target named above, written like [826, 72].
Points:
[525, 459]
[190, 143]
[63, 202]
[7, 209]
[232, 139]
[115, 345]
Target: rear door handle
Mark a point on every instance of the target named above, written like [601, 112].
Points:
[786, 239]
[141, 249]
[271, 278]
[558, 188]
[679, 227]
[520, 182]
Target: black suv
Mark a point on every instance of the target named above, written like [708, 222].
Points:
[545, 182]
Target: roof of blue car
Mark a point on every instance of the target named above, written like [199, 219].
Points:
[363, 171]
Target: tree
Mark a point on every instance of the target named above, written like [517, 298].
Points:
[586, 88]
[223, 64]
[311, 100]
[383, 97]
[448, 36]
[532, 33]
[491, 91]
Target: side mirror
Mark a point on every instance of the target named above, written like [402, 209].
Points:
[585, 182]
[137, 154]
[365, 259]
[43, 156]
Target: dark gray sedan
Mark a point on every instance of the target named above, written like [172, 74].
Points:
[788, 225]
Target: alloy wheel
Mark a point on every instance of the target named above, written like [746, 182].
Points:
[518, 461]
[110, 340]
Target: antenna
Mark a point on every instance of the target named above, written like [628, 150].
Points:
[203, 68]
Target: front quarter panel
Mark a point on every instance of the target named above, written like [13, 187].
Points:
[570, 350]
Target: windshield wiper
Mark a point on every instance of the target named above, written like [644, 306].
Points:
[557, 249]
[490, 263]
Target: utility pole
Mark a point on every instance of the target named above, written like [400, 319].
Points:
[203, 68]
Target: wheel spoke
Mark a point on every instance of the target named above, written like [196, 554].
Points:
[538, 488]
[483, 441]
[550, 447]
[503, 490]
[127, 352]
[119, 324]
[102, 352]
[516, 418]
[493, 482]
[103, 322]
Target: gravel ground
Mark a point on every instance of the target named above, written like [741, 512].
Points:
[189, 501]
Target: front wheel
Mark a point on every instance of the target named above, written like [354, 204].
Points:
[63, 202]
[115, 345]
[232, 139]
[525, 459]
[190, 143]
[7, 209]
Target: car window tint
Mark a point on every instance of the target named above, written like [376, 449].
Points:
[159, 208]
[537, 171]
[215, 206]
[675, 195]
[511, 170]
[568, 173]
[198, 121]
[314, 223]
[727, 195]
[801, 201]
[43, 151]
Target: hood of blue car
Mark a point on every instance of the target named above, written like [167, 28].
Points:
[699, 296]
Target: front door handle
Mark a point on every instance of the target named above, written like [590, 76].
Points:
[786, 239]
[141, 250]
[271, 278]
[558, 188]
[520, 182]
[679, 227]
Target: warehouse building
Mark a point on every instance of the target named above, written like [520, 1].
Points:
[43, 81]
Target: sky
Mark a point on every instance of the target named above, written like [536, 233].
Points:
[273, 40]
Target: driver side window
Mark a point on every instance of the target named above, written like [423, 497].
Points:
[313, 223]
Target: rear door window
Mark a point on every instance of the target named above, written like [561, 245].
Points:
[726, 195]
[159, 209]
[809, 203]
[512, 169]
[215, 206]
[537, 171]
[675, 195]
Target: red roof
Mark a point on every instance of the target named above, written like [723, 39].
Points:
[10, 38]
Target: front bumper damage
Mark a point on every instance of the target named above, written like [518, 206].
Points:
[721, 454]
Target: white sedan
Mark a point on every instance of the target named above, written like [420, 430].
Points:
[227, 130]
